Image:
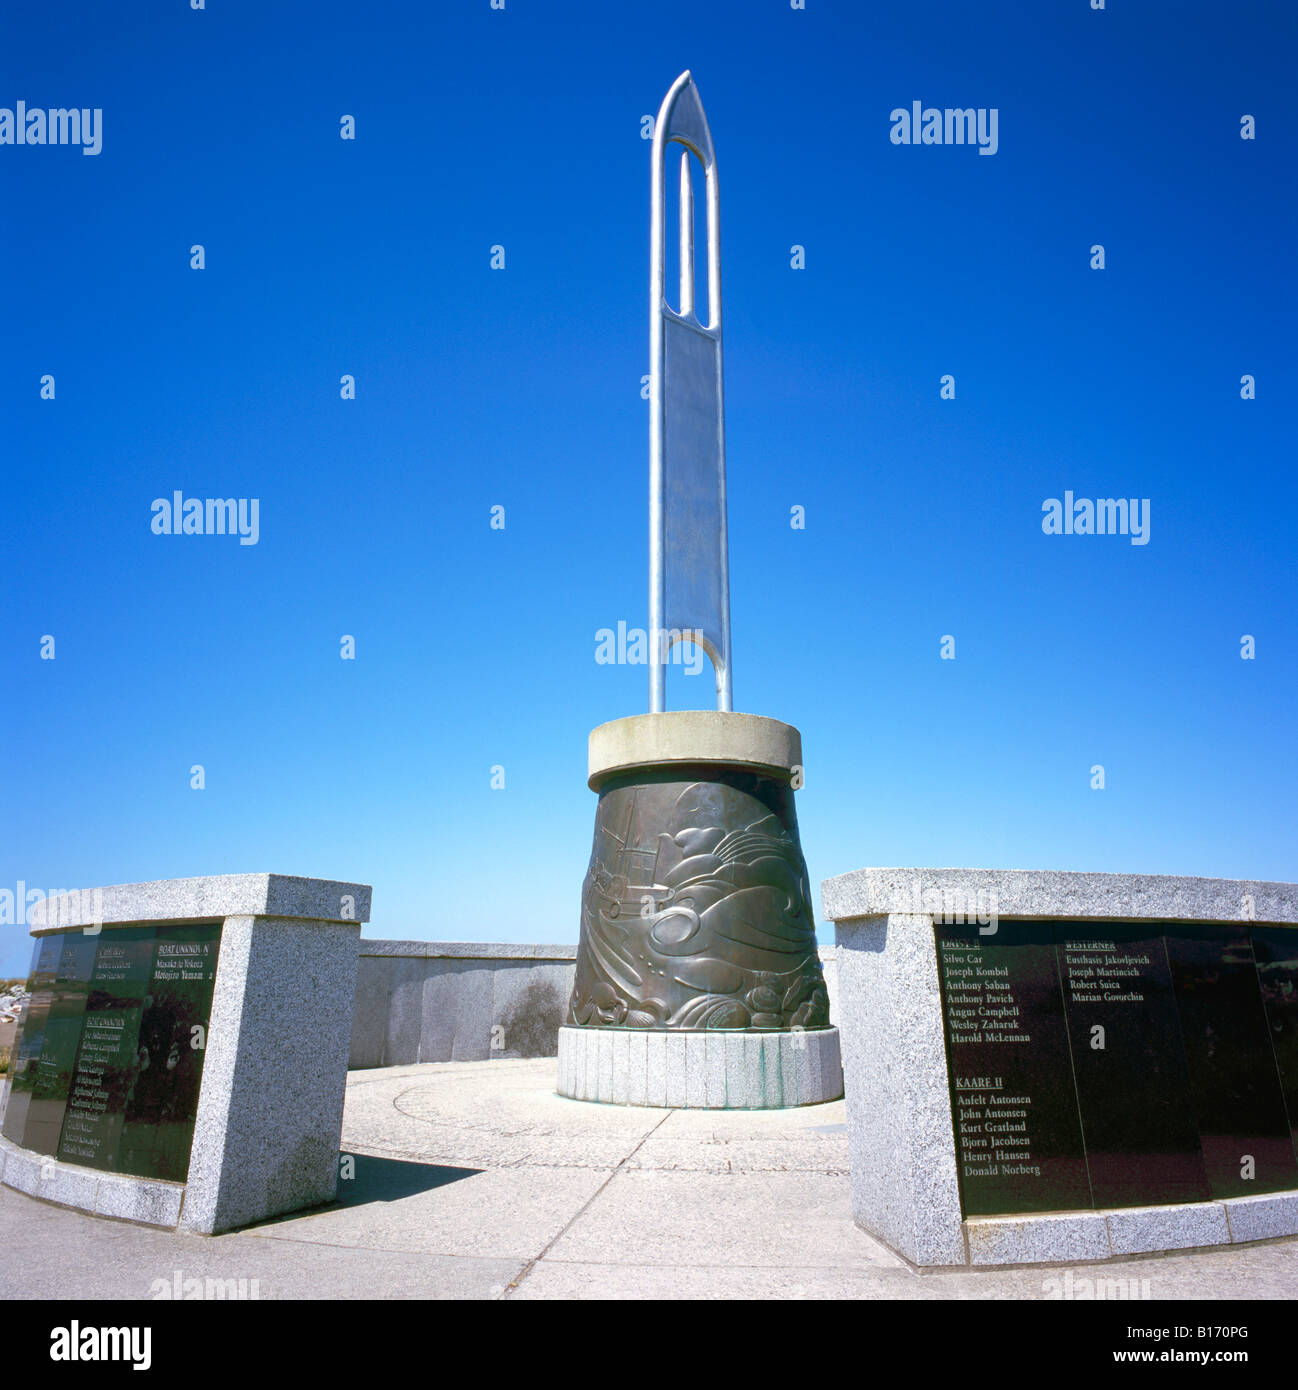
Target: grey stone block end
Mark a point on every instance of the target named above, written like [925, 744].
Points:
[1048, 1239]
[148, 1201]
[1143, 1230]
[1264, 1217]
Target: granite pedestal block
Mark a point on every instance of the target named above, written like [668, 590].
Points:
[267, 1118]
[1127, 1006]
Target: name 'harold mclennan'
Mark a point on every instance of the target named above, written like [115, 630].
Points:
[58, 125]
[950, 125]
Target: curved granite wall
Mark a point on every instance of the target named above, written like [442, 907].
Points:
[437, 1001]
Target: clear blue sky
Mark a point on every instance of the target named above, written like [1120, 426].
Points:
[521, 387]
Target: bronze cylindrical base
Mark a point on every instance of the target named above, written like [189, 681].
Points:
[696, 909]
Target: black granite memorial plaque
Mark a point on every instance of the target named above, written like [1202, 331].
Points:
[1142, 1144]
[59, 1043]
[1161, 1058]
[158, 1125]
[1275, 953]
[31, 1036]
[107, 1059]
[1013, 1103]
[111, 1053]
[1234, 1083]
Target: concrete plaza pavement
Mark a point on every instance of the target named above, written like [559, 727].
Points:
[474, 1180]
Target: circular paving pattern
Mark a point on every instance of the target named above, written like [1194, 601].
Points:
[506, 1114]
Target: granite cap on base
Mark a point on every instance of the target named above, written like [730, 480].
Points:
[1063, 896]
[203, 899]
[693, 736]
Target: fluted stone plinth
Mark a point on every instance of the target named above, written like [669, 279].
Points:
[718, 1070]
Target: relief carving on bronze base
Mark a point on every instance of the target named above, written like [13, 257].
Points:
[696, 909]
